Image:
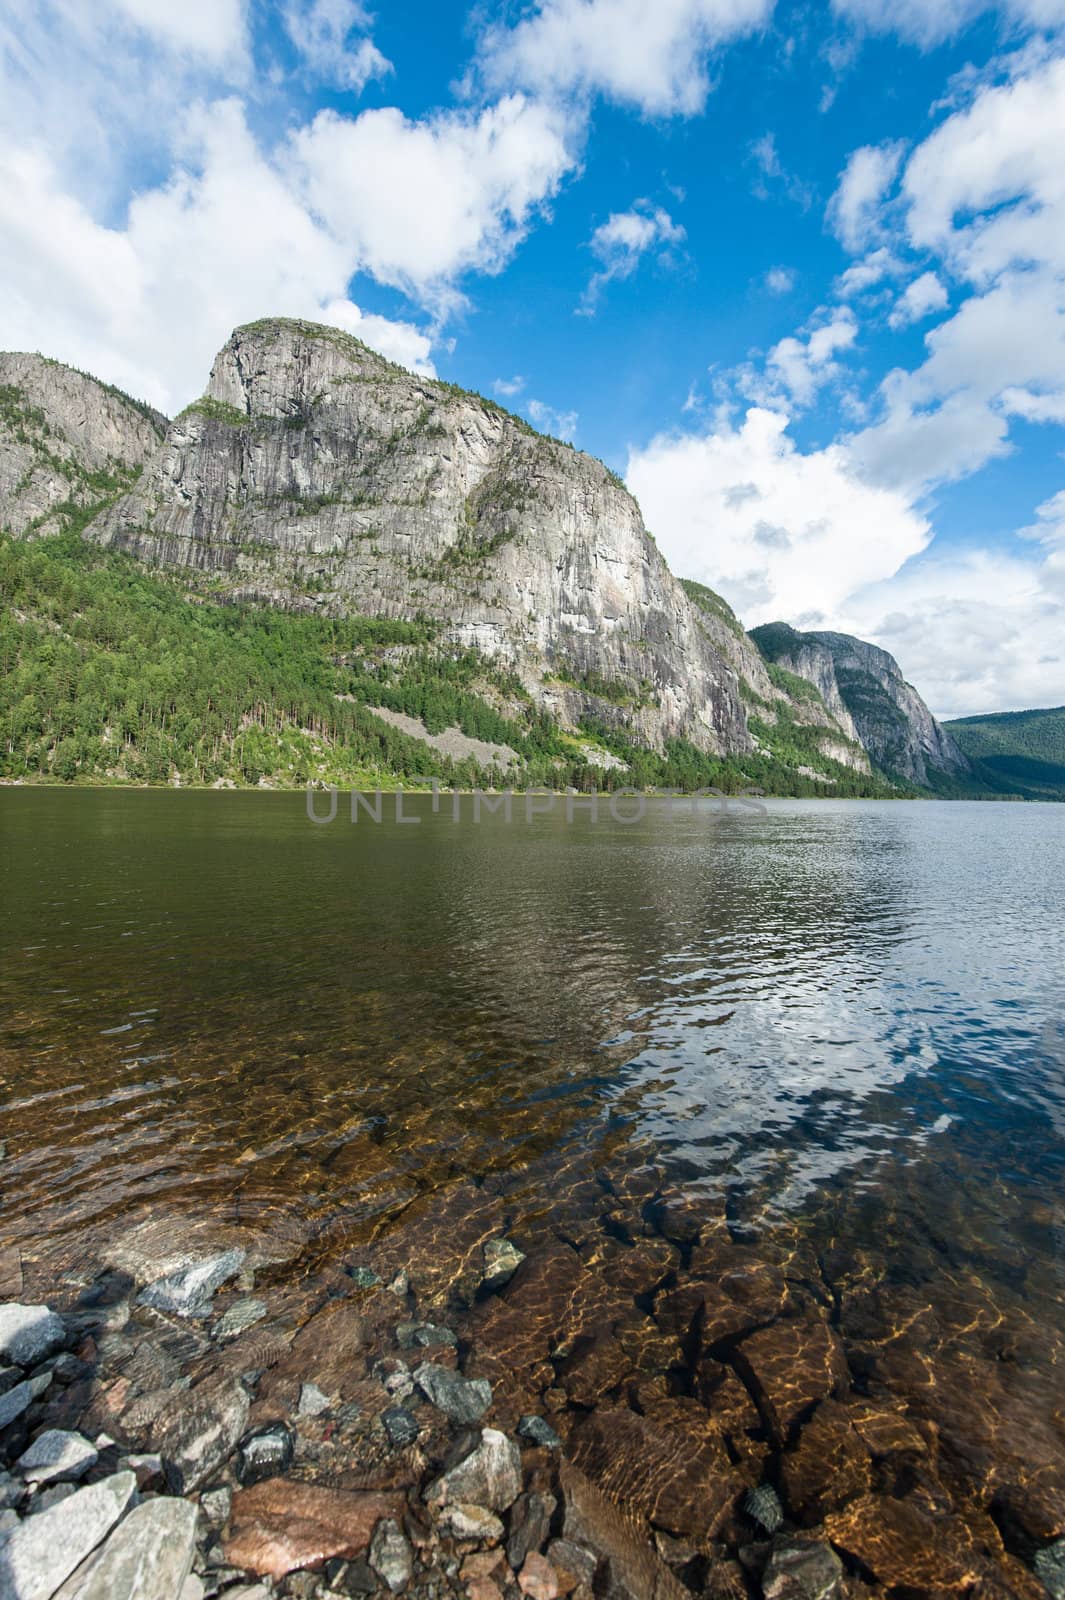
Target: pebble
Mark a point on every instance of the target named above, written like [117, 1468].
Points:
[149, 1555]
[313, 1403]
[414, 1335]
[501, 1261]
[42, 1552]
[537, 1431]
[463, 1400]
[364, 1277]
[29, 1334]
[241, 1316]
[390, 1555]
[264, 1453]
[538, 1578]
[400, 1425]
[188, 1292]
[490, 1475]
[215, 1504]
[56, 1455]
[465, 1521]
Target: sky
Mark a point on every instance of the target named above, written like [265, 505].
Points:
[797, 271]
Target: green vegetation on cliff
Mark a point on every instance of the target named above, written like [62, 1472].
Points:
[1017, 752]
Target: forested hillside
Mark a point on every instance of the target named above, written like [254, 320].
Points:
[1017, 752]
[112, 672]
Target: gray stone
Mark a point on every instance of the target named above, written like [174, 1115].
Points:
[44, 1550]
[9, 1377]
[363, 1277]
[8, 1520]
[565, 1555]
[241, 1316]
[54, 1455]
[463, 1400]
[537, 1431]
[420, 1335]
[216, 1504]
[11, 1491]
[312, 1401]
[29, 1334]
[15, 1402]
[390, 1554]
[148, 1557]
[189, 1291]
[47, 1498]
[265, 1453]
[501, 1261]
[800, 1571]
[1050, 1569]
[197, 1431]
[490, 1475]
[400, 1425]
[471, 1522]
[530, 1524]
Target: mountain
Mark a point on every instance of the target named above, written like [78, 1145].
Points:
[863, 687]
[330, 567]
[1016, 752]
[67, 442]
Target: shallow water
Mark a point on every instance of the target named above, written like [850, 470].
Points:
[841, 1023]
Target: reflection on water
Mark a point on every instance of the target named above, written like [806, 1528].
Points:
[203, 992]
[838, 1029]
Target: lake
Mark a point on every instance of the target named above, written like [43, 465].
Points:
[824, 1044]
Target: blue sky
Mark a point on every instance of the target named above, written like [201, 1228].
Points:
[797, 271]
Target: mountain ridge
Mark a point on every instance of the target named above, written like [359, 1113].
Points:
[315, 477]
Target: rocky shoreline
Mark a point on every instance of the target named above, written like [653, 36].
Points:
[639, 1408]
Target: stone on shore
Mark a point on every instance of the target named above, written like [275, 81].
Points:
[39, 1555]
[148, 1556]
[463, 1400]
[281, 1526]
[29, 1334]
[15, 1402]
[189, 1291]
[471, 1522]
[266, 1452]
[54, 1456]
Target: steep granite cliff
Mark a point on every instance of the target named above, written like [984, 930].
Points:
[66, 441]
[315, 472]
[863, 683]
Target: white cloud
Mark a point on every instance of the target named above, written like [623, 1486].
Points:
[929, 22]
[798, 366]
[213, 29]
[863, 183]
[322, 32]
[623, 238]
[868, 272]
[773, 173]
[418, 203]
[918, 300]
[562, 424]
[780, 280]
[783, 533]
[509, 387]
[651, 54]
[147, 305]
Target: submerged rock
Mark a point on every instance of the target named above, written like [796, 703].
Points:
[148, 1557]
[44, 1550]
[400, 1425]
[241, 1316]
[421, 1335]
[195, 1432]
[763, 1506]
[282, 1526]
[390, 1555]
[313, 1402]
[1050, 1569]
[490, 1475]
[539, 1432]
[189, 1291]
[54, 1455]
[463, 1400]
[501, 1261]
[29, 1334]
[264, 1453]
[801, 1571]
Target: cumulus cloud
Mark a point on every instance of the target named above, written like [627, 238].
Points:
[930, 22]
[801, 364]
[651, 54]
[332, 37]
[623, 239]
[780, 280]
[867, 273]
[863, 183]
[418, 203]
[223, 241]
[782, 532]
[918, 300]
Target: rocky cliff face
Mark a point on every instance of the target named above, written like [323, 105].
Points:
[315, 472]
[65, 441]
[863, 684]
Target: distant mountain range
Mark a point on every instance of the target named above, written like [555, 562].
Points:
[1016, 752]
[331, 568]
